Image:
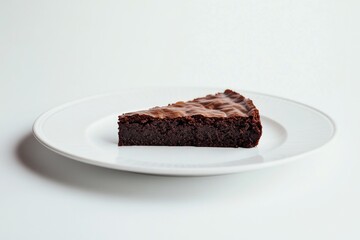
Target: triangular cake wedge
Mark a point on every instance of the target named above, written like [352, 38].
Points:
[225, 119]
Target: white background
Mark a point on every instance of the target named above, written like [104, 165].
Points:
[52, 52]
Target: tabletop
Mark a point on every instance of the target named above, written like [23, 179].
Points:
[52, 52]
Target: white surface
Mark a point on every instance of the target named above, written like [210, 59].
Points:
[86, 130]
[52, 52]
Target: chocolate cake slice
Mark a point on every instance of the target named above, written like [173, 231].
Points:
[225, 119]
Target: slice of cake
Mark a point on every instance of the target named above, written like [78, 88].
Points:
[222, 120]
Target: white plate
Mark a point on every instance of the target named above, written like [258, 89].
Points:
[86, 130]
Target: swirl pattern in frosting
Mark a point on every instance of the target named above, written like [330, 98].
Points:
[226, 104]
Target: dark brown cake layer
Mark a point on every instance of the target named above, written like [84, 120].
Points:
[221, 120]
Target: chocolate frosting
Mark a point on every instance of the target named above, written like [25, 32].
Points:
[226, 104]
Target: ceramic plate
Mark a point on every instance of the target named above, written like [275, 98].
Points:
[86, 130]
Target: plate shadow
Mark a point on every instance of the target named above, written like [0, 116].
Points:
[84, 177]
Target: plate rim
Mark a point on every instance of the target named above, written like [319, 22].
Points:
[203, 171]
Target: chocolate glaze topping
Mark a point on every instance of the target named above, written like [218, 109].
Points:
[226, 104]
